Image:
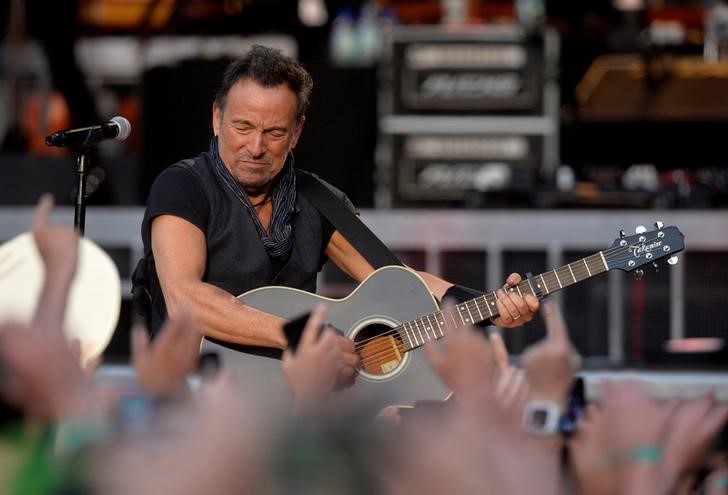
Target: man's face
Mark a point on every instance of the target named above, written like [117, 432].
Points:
[256, 130]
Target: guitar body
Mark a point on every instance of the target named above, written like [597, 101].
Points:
[388, 297]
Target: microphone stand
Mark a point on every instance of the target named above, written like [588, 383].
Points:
[82, 140]
[79, 217]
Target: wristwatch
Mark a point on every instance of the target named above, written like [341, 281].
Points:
[542, 417]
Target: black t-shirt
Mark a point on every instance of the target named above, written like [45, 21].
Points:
[236, 259]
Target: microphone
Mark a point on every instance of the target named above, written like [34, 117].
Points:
[117, 128]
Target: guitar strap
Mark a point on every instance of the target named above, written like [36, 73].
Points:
[345, 221]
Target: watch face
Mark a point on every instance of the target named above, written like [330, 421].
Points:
[541, 417]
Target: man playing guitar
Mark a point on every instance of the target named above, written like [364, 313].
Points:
[230, 221]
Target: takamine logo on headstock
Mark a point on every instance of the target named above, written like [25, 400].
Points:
[630, 252]
[642, 248]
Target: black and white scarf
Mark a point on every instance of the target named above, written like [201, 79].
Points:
[279, 240]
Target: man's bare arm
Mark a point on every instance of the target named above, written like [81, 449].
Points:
[180, 254]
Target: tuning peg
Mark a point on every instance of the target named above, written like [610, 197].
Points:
[622, 235]
[656, 266]
[658, 225]
[640, 229]
[672, 260]
[638, 274]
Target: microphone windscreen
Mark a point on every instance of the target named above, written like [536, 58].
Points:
[124, 127]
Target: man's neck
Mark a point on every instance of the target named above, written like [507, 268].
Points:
[258, 195]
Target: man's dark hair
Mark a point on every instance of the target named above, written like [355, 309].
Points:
[269, 68]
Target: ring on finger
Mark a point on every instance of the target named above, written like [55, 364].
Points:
[516, 317]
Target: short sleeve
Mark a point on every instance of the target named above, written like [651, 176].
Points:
[179, 193]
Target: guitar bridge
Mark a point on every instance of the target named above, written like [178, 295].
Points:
[381, 355]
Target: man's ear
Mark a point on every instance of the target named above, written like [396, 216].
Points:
[216, 117]
[297, 133]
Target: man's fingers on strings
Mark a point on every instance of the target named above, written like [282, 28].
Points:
[513, 279]
[350, 359]
[507, 310]
[532, 302]
[521, 306]
[345, 344]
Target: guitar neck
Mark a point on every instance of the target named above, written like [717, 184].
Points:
[419, 331]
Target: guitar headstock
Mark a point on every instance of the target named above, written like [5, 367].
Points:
[629, 253]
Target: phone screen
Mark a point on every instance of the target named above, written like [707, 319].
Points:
[576, 403]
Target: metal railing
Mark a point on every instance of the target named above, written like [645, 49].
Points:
[494, 232]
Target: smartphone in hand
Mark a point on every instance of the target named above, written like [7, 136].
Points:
[294, 329]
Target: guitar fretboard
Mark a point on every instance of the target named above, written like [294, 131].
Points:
[419, 331]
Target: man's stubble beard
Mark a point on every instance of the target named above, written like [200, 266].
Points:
[255, 183]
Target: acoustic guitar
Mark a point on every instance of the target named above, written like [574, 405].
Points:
[392, 313]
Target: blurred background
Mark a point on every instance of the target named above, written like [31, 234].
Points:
[478, 137]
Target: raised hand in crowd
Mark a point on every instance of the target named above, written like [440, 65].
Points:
[491, 395]
[465, 363]
[590, 466]
[211, 442]
[692, 427]
[550, 364]
[511, 385]
[632, 443]
[58, 249]
[41, 374]
[42, 371]
[635, 424]
[313, 369]
[716, 482]
[162, 365]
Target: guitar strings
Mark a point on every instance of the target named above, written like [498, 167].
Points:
[578, 270]
[385, 347]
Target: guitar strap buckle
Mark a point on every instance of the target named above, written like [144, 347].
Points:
[535, 286]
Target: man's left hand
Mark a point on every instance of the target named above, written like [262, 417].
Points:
[513, 309]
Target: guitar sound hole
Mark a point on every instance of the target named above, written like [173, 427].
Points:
[380, 350]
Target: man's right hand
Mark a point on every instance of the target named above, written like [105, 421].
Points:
[324, 361]
[349, 361]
